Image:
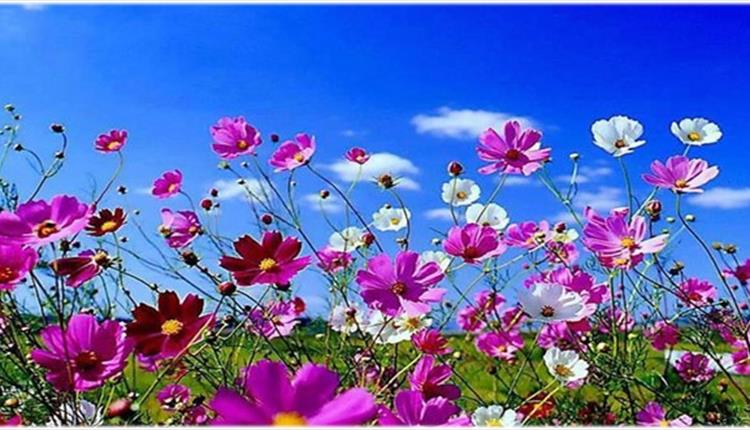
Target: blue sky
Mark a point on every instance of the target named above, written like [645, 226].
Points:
[373, 76]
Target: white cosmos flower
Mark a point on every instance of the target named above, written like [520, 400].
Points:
[460, 192]
[492, 215]
[395, 330]
[552, 302]
[391, 219]
[565, 366]
[568, 236]
[347, 239]
[696, 131]
[85, 415]
[346, 319]
[495, 416]
[441, 258]
[618, 135]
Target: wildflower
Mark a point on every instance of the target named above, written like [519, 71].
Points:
[196, 415]
[13, 421]
[81, 269]
[429, 379]
[473, 243]
[167, 185]
[495, 416]
[662, 335]
[169, 329]
[272, 261]
[618, 135]
[527, 235]
[112, 141]
[565, 366]
[38, 223]
[293, 154]
[16, 262]
[272, 397]
[391, 219]
[105, 222]
[681, 174]
[455, 168]
[558, 335]
[561, 253]
[741, 361]
[538, 406]
[347, 319]
[516, 151]
[472, 318]
[392, 330]
[742, 272]
[413, 410]
[403, 284]
[500, 344]
[172, 396]
[653, 415]
[552, 302]
[430, 341]
[275, 319]
[622, 321]
[694, 367]
[696, 292]
[439, 257]
[357, 155]
[347, 239]
[179, 228]
[490, 215]
[234, 137]
[83, 355]
[460, 192]
[696, 131]
[332, 261]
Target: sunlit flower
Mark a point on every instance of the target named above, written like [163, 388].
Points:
[112, 141]
[347, 319]
[274, 319]
[430, 341]
[696, 131]
[495, 416]
[16, 262]
[696, 292]
[38, 223]
[167, 185]
[622, 321]
[558, 335]
[460, 192]
[491, 215]
[357, 155]
[272, 261]
[694, 367]
[172, 396]
[662, 335]
[653, 415]
[332, 261]
[527, 235]
[681, 174]
[439, 257]
[413, 410]
[392, 330]
[82, 268]
[473, 317]
[234, 137]
[430, 379]
[551, 302]
[391, 219]
[474, 243]
[293, 154]
[105, 222]
[179, 228]
[500, 344]
[346, 240]
[618, 135]
[565, 366]
[515, 151]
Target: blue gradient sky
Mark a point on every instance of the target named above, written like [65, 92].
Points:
[360, 75]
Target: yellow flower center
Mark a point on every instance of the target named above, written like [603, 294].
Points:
[288, 419]
[493, 422]
[461, 195]
[165, 231]
[395, 220]
[501, 348]
[46, 229]
[680, 183]
[548, 311]
[114, 145]
[193, 230]
[7, 274]
[620, 261]
[267, 264]
[694, 136]
[619, 143]
[663, 423]
[627, 242]
[108, 226]
[563, 371]
[412, 323]
[172, 188]
[242, 144]
[101, 258]
[299, 157]
[171, 327]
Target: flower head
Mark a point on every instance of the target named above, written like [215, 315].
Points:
[741, 273]
[167, 185]
[112, 141]
[346, 240]
[491, 215]
[275, 319]
[16, 262]
[273, 260]
[618, 135]
[430, 341]
[412, 409]
[696, 292]
[460, 192]
[430, 380]
[681, 174]
[179, 228]
[173, 395]
[473, 243]
[653, 415]
[393, 330]
[696, 131]
[500, 344]
[515, 151]
[293, 154]
[105, 222]
[552, 302]
[565, 366]
[495, 416]
[38, 223]
[234, 137]
[439, 257]
[332, 261]
[347, 319]
[527, 235]
[391, 219]
[694, 367]
[357, 155]
[82, 268]
[662, 335]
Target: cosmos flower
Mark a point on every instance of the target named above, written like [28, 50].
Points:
[500, 344]
[332, 261]
[472, 318]
[38, 223]
[622, 321]
[694, 367]
[402, 284]
[696, 131]
[412, 410]
[172, 396]
[105, 222]
[696, 292]
[272, 261]
[491, 215]
[167, 185]
[561, 253]
[391, 219]
[662, 335]
[346, 240]
[13, 421]
[653, 415]
[347, 319]
[179, 228]
[552, 302]
[170, 329]
[495, 416]
[112, 141]
[234, 137]
[392, 330]
[460, 192]
[430, 341]
[16, 262]
[559, 335]
[275, 319]
[357, 155]
[293, 154]
[515, 151]
[565, 366]
[84, 355]
[618, 135]
[274, 397]
[741, 273]
[741, 361]
[473, 243]
[430, 380]
[681, 174]
[82, 268]
[439, 257]
[527, 235]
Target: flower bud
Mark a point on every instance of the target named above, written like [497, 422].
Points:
[213, 192]
[730, 248]
[190, 258]
[266, 219]
[653, 208]
[274, 138]
[455, 168]
[227, 288]
[120, 408]
[690, 218]
[57, 128]
[717, 246]
[386, 181]
[574, 156]
[324, 194]
[368, 239]
[207, 204]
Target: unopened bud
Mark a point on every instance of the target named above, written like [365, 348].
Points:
[266, 219]
[207, 204]
[227, 288]
[324, 194]
[455, 168]
[57, 128]
[274, 138]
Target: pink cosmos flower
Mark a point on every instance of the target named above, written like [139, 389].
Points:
[622, 321]
[112, 141]
[527, 235]
[473, 242]
[357, 155]
[413, 410]
[173, 395]
[234, 137]
[167, 185]
[742, 272]
[619, 243]
[430, 341]
[81, 269]
[429, 379]
[516, 151]
[695, 292]
[14, 421]
[293, 154]
[179, 228]
[275, 319]
[662, 335]
[83, 356]
[332, 261]
[38, 223]
[472, 318]
[576, 280]
[561, 253]
[559, 335]
[653, 415]
[694, 367]
[681, 175]
[272, 261]
[403, 284]
[741, 361]
[16, 262]
[272, 397]
[500, 344]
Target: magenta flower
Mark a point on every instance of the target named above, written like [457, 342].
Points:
[112, 141]
[271, 397]
[474, 243]
[573, 279]
[179, 228]
[81, 269]
[357, 155]
[413, 410]
[84, 355]
[694, 367]
[430, 380]
[681, 175]
[662, 335]
[741, 361]
[404, 284]
[234, 137]
[332, 261]
[173, 395]
[293, 154]
[430, 341]
[167, 185]
[527, 235]
[623, 321]
[472, 318]
[653, 415]
[618, 243]
[516, 151]
[742, 272]
[559, 335]
[16, 262]
[275, 319]
[695, 292]
[561, 253]
[500, 344]
[38, 223]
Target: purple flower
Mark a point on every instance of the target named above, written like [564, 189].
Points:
[173, 395]
[167, 185]
[391, 287]
[275, 319]
[273, 397]
[472, 318]
[357, 155]
[527, 235]
[429, 379]
[559, 335]
[179, 228]
[430, 341]
[112, 141]
[662, 335]
[515, 151]
[622, 321]
[500, 344]
[293, 154]
[16, 262]
[38, 223]
[653, 415]
[473, 242]
[234, 137]
[332, 261]
[741, 361]
[412, 410]
[694, 367]
[680, 174]
[695, 292]
[82, 268]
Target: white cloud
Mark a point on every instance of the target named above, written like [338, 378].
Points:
[33, 6]
[588, 174]
[251, 190]
[564, 217]
[514, 181]
[603, 199]
[439, 213]
[463, 123]
[352, 133]
[379, 163]
[723, 198]
[330, 204]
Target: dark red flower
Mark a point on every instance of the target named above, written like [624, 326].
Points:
[106, 222]
[534, 408]
[273, 261]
